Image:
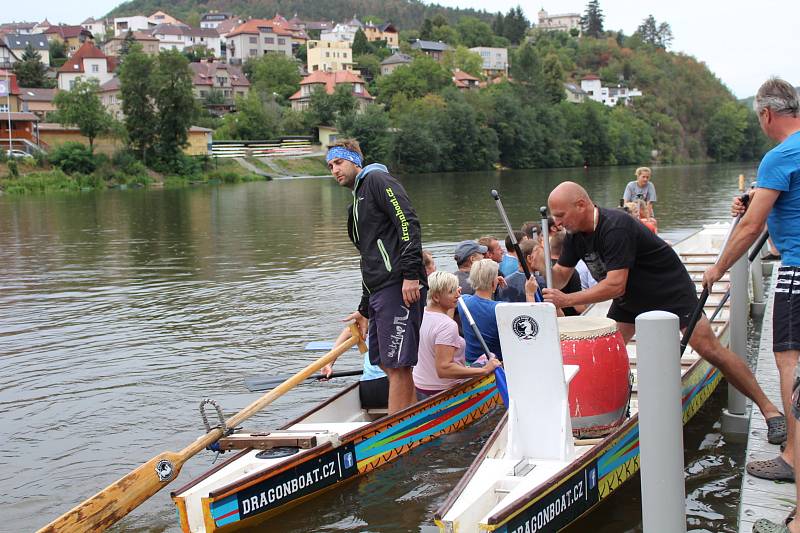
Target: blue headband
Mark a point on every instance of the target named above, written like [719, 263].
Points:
[340, 152]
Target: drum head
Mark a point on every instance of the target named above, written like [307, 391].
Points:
[585, 327]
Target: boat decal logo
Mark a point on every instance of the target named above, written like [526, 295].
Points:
[164, 470]
[525, 327]
[348, 460]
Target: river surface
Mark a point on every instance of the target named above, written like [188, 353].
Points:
[120, 311]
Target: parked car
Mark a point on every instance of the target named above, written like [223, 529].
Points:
[17, 154]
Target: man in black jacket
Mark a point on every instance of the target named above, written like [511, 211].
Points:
[385, 229]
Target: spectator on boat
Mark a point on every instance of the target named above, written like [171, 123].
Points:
[641, 273]
[638, 210]
[531, 229]
[384, 227]
[514, 291]
[776, 202]
[510, 262]
[467, 253]
[493, 249]
[483, 277]
[373, 387]
[427, 260]
[441, 363]
[641, 189]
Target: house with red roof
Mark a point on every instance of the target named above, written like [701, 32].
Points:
[328, 81]
[226, 80]
[72, 36]
[465, 81]
[24, 134]
[86, 63]
[257, 37]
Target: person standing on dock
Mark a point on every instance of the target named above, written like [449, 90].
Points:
[642, 189]
[776, 202]
[641, 273]
[385, 229]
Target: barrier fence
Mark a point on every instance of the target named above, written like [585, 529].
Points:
[286, 146]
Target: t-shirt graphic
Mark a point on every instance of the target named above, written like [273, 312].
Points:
[596, 265]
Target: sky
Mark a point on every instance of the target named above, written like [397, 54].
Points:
[743, 43]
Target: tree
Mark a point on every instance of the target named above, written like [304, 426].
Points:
[474, 32]
[30, 71]
[371, 128]
[322, 107]
[422, 76]
[726, 132]
[361, 44]
[552, 78]
[127, 43]
[526, 67]
[463, 58]
[498, 24]
[58, 53]
[136, 89]
[273, 73]
[343, 99]
[426, 30]
[81, 107]
[253, 119]
[175, 102]
[592, 20]
[652, 33]
[515, 25]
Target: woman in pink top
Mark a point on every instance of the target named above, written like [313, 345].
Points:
[440, 361]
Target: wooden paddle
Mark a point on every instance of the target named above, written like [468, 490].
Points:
[111, 504]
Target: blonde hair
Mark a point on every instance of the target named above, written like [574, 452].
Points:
[441, 282]
[643, 169]
[483, 274]
[427, 259]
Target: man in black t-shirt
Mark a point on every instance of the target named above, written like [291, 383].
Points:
[641, 273]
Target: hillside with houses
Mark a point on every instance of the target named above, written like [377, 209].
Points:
[475, 91]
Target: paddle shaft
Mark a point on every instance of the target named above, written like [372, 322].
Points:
[548, 267]
[515, 244]
[463, 305]
[704, 295]
[256, 384]
[111, 504]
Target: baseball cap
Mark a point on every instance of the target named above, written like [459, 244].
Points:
[464, 249]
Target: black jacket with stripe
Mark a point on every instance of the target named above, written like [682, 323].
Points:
[385, 229]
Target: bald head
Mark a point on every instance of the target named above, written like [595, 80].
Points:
[572, 208]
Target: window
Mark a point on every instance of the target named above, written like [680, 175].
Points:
[327, 54]
[222, 80]
[71, 84]
[269, 40]
[253, 40]
[3, 108]
[95, 68]
[227, 93]
[357, 88]
[253, 51]
[281, 40]
[203, 94]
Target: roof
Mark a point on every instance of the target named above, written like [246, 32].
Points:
[200, 129]
[111, 85]
[590, 77]
[436, 46]
[66, 32]
[20, 42]
[205, 72]
[331, 80]
[228, 25]
[320, 25]
[36, 94]
[256, 25]
[87, 51]
[18, 25]
[397, 59]
[21, 116]
[383, 28]
[575, 89]
[463, 80]
[178, 29]
[216, 15]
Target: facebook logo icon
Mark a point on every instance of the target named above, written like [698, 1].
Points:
[592, 478]
[348, 460]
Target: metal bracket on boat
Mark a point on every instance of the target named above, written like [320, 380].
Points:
[214, 446]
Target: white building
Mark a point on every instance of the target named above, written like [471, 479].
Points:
[562, 22]
[345, 31]
[96, 27]
[179, 37]
[214, 19]
[135, 23]
[88, 62]
[495, 60]
[609, 96]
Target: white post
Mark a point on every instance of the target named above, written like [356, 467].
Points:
[740, 306]
[660, 423]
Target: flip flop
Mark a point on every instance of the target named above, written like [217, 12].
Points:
[776, 429]
[763, 525]
[775, 469]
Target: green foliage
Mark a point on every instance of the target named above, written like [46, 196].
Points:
[136, 88]
[81, 107]
[464, 59]
[127, 44]
[253, 119]
[654, 34]
[58, 53]
[73, 157]
[176, 106]
[726, 132]
[473, 32]
[30, 70]
[13, 168]
[197, 53]
[513, 26]
[371, 128]
[273, 73]
[361, 44]
[552, 79]
[422, 76]
[592, 20]
[296, 122]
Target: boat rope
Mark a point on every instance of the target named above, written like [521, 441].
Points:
[214, 446]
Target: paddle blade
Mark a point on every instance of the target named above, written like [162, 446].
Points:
[502, 384]
[111, 504]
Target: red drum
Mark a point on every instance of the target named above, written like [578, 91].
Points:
[600, 392]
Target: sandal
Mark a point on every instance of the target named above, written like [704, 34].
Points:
[775, 469]
[763, 525]
[776, 429]
[790, 517]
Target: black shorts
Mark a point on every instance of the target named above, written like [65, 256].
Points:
[394, 328]
[374, 393]
[786, 310]
[683, 306]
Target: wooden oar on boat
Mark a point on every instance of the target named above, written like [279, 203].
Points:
[111, 504]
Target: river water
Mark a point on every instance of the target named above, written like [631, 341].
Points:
[120, 311]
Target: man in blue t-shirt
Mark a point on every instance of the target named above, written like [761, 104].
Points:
[776, 201]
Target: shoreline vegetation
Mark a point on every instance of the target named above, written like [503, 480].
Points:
[39, 176]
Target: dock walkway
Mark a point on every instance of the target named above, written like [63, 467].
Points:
[761, 498]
